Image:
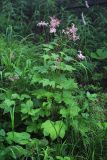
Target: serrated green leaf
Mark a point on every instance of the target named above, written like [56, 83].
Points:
[64, 112]
[40, 93]
[26, 107]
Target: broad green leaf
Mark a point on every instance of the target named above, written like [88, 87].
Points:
[2, 132]
[26, 107]
[41, 69]
[65, 83]
[70, 111]
[74, 110]
[47, 82]
[35, 79]
[54, 56]
[46, 57]
[65, 67]
[2, 135]
[54, 129]
[64, 158]
[58, 97]
[20, 138]
[24, 96]
[32, 127]
[15, 96]
[40, 93]
[48, 47]
[67, 97]
[102, 125]
[7, 105]
[91, 97]
[99, 54]
[16, 151]
[36, 113]
[64, 112]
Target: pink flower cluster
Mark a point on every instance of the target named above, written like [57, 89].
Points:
[54, 23]
[71, 32]
[80, 55]
[42, 24]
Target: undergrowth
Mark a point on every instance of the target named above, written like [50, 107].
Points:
[53, 71]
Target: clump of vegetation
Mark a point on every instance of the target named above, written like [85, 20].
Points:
[53, 75]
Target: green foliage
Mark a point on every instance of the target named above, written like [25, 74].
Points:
[100, 54]
[64, 158]
[54, 129]
[20, 138]
[42, 98]
[52, 103]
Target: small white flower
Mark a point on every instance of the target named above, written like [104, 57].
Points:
[52, 30]
[63, 31]
[81, 56]
[42, 24]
